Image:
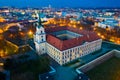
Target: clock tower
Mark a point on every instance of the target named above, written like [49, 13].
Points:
[40, 36]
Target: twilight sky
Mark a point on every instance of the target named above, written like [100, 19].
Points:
[61, 3]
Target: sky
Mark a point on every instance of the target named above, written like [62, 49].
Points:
[61, 3]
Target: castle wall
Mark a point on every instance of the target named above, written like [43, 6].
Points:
[63, 57]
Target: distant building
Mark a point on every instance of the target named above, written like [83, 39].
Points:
[65, 44]
[110, 23]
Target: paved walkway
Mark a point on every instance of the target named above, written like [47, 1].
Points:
[65, 73]
[62, 72]
[87, 58]
[68, 72]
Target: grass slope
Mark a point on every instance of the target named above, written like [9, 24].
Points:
[109, 70]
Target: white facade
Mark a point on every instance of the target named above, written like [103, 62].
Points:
[68, 55]
[40, 40]
[110, 23]
[64, 56]
[104, 25]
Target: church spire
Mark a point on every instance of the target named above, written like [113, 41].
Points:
[39, 22]
[40, 36]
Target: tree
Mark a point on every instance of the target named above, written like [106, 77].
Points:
[8, 64]
[2, 76]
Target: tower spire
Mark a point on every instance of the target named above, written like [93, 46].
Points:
[39, 22]
[40, 36]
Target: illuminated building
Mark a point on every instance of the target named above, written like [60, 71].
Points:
[119, 23]
[65, 44]
[2, 19]
[109, 23]
[40, 38]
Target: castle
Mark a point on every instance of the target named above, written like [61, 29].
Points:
[65, 44]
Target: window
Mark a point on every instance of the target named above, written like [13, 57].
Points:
[43, 49]
[42, 40]
[41, 32]
[65, 61]
[68, 56]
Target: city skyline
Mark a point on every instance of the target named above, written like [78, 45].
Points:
[61, 3]
[59, 39]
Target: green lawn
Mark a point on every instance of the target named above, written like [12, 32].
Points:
[109, 70]
[7, 48]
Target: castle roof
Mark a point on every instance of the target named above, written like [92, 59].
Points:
[88, 36]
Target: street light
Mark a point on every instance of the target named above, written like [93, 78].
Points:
[102, 37]
[30, 32]
[1, 64]
[98, 34]
[81, 28]
[118, 42]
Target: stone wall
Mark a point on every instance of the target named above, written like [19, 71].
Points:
[117, 53]
[98, 61]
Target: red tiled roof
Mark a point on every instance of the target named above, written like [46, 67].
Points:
[66, 44]
[54, 29]
[54, 41]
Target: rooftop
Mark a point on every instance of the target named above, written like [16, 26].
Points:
[87, 36]
[65, 35]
